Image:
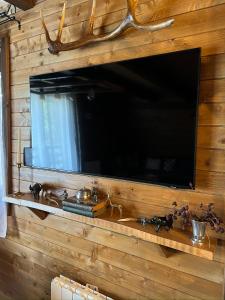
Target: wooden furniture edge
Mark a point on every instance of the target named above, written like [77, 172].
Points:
[132, 230]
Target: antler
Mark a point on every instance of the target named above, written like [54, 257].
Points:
[129, 21]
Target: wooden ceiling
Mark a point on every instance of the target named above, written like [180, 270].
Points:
[22, 4]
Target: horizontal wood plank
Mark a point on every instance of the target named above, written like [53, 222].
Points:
[213, 91]
[211, 137]
[212, 114]
[211, 160]
[159, 274]
[148, 251]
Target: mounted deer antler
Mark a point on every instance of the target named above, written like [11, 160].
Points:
[129, 21]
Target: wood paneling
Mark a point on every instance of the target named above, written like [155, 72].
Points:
[6, 105]
[99, 260]
[213, 90]
[123, 267]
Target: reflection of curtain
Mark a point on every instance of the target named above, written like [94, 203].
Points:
[54, 132]
[3, 209]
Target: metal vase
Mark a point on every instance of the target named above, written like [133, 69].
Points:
[199, 231]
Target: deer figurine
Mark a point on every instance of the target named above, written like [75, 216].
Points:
[114, 205]
[129, 21]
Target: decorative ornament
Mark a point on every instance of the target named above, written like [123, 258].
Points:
[130, 21]
[159, 222]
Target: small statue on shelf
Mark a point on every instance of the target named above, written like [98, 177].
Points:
[166, 222]
[49, 193]
[159, 222]
[35, 190]
[65, 195]
[114, 205]
[94, 194]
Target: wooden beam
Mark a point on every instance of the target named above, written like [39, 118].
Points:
[5, 70]
[39, 213]
[22, 4]
[164, 251]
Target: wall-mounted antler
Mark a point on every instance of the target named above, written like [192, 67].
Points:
[129, 21]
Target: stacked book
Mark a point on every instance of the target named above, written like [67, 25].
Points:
[88, 209]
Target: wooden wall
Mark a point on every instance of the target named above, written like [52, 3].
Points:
[126, 268]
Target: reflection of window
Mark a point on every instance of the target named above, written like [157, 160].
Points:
[54, 132]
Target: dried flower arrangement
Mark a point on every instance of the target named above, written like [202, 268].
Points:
[206, 214]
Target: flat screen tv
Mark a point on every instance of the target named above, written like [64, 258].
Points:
[134, 120]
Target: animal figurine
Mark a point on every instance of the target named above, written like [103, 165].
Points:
[114, 205]
[35, 190]
[166, 222]
[49, 193]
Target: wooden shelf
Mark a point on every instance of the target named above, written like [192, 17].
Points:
[175, 238]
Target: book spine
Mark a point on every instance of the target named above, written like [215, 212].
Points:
[85, 213]
[91, 214]
[77, 206]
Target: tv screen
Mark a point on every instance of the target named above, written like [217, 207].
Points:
[133, 120]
